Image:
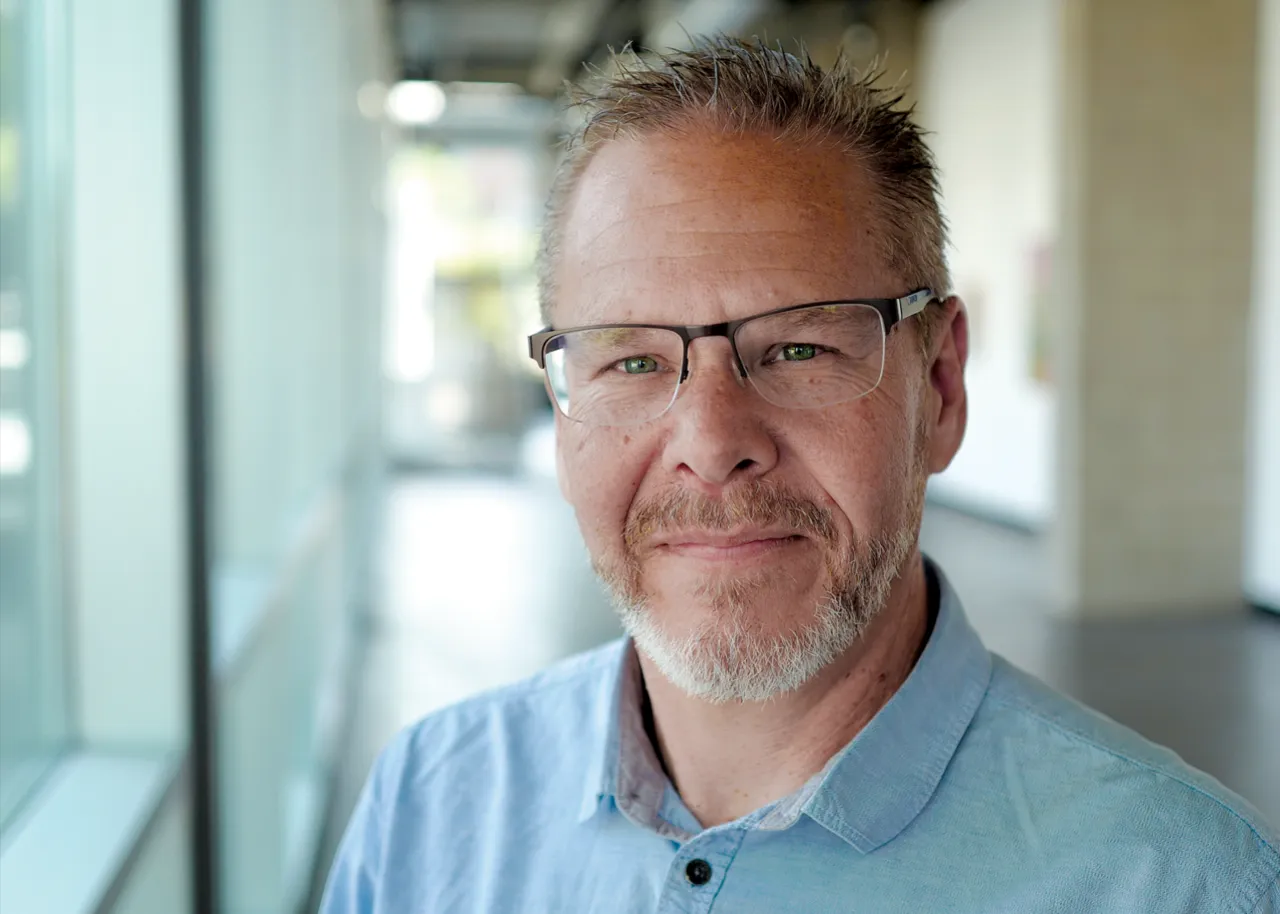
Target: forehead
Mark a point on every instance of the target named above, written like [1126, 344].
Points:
[710, 227]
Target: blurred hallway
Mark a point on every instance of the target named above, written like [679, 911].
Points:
[485, 581]
[275, 464]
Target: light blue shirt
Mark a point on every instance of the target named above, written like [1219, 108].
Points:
[977, 788]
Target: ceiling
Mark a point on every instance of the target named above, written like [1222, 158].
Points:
[537, 44]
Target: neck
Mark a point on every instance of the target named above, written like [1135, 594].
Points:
[727, 760]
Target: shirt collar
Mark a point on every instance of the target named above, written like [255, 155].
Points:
[626, 768]
[868, 792]
[879, 783]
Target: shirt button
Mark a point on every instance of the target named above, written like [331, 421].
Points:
[698, 872]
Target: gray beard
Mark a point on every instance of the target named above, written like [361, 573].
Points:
[730, 658]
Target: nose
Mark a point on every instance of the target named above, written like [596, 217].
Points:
[718, 435]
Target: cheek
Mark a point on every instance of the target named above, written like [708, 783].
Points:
[600, 470]
[864, 464]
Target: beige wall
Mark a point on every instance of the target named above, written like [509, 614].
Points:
[1121, 136]
[1157, 185]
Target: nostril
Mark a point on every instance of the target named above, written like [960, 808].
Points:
[746, 464]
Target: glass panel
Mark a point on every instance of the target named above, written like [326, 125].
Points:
[296, 260]
[32, 715]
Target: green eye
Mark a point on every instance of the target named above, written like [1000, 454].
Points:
[798, 352]
[639, 364]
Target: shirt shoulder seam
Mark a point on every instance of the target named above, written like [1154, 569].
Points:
[1271, 851]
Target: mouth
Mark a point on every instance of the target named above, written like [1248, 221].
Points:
[726, 546]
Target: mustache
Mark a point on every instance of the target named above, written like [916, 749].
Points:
[754, 504]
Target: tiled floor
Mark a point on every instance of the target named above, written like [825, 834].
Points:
[486, 581]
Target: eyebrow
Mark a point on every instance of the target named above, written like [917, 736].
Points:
[616, 334]
[598, 316]
[813, 314]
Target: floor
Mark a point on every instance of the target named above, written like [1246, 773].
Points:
[485, 581]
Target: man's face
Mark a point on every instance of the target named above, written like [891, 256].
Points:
[747, 545]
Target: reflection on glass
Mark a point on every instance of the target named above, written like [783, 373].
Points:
[295, 397]
[30, 652]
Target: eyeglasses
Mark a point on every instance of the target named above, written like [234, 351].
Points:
[800, 357]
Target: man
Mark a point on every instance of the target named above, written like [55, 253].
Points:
[756, 366]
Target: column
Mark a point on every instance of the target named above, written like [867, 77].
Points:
[1154, 275]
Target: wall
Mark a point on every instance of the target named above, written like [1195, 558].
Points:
[988, 91]
[1262, 543]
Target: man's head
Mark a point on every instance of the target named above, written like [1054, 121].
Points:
[749, 544]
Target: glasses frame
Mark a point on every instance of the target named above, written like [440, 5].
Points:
[893, 311]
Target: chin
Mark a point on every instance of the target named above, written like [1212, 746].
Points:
[728, 645]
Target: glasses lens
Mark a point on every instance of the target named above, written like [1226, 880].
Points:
[614, 376]
[815, 356]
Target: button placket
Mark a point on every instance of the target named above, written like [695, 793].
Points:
[699, 869]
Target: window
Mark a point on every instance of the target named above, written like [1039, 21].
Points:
[32, 700]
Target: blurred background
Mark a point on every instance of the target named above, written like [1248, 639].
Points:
[277, 477]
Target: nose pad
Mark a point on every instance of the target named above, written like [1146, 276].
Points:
[736, 367]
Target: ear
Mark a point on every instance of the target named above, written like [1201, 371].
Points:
[949, 405]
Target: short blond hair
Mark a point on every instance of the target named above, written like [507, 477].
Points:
[740, 86]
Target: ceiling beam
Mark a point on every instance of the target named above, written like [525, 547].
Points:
[703, 17]
[570, 27]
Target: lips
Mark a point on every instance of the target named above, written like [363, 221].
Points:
[680, 539]
[708, 546]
